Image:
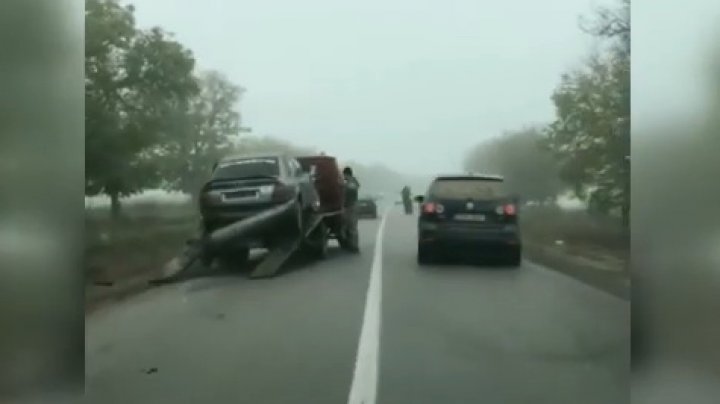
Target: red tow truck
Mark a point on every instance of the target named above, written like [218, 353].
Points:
[324, 223]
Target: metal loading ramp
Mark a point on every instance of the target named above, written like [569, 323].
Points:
[201, 250]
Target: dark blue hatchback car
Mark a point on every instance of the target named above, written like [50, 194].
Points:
[468, 214]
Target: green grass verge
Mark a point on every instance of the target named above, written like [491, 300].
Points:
[141, 241]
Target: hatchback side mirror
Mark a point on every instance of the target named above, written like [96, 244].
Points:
[419, 199]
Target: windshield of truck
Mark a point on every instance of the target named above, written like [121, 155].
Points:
[249, 168]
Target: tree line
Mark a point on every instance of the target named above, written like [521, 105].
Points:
[152, 118]
[586, 149]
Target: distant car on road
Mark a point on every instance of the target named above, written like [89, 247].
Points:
[242, 186]
[367, 208]
[462, 213]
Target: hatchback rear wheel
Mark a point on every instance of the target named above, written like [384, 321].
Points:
[515, 257]
[424, 256]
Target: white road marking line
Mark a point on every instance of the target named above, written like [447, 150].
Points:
[365, 378]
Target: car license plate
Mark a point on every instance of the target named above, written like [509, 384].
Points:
[239, 194]
[470, 218]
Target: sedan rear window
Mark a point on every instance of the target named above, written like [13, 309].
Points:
[468, 189]
[256, 167]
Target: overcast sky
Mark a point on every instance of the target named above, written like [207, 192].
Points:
[412, 84]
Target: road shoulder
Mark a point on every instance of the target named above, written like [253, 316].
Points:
[609, 277]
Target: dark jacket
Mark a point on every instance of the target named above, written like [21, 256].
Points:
[352, 187]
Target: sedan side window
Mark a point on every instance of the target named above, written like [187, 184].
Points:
[296, 168]
[289, 169]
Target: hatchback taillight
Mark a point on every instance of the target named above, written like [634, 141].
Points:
[507, 210]
[430, 208]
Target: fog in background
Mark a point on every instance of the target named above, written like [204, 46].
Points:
[409, 84]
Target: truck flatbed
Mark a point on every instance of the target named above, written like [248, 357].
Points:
[276, 257]
[327, 222]
[271, 263]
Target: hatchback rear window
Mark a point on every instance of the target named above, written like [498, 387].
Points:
[256, 167]
[468, 189]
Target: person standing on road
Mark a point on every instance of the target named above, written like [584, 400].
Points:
[407, 202]
[352, 187]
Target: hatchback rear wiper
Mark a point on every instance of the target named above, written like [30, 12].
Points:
[248, 177]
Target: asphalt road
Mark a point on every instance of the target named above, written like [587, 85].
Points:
[447, 334]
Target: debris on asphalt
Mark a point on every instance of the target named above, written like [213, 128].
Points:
[151, 371]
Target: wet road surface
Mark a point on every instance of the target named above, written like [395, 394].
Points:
[447, 334]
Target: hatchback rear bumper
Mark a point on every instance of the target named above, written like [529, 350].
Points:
[462, 236]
